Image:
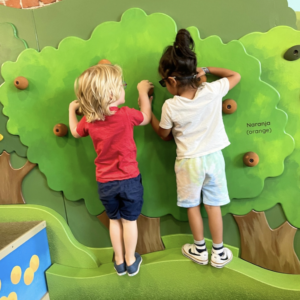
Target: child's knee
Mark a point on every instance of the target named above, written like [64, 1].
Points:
[210, 208]
[124, 221]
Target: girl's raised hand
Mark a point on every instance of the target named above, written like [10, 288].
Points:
[200, 72]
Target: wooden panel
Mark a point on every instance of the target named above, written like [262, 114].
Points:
[58, 21]
[265, 247]
[149, 239]
[11, 180]
[89, 231]
[24, 22]
[10, 232]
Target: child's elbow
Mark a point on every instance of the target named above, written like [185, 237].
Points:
[168, 138]
[75, 134]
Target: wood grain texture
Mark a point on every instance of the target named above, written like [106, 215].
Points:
[149, 239]
[11, 180]
[265, 247]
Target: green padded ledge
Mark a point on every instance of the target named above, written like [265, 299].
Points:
[172, 241]
[169, 275]
[64, 248]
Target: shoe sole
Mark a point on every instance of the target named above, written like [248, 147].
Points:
[203, 262]
[220, 266]
[138, 269]
[120, 274]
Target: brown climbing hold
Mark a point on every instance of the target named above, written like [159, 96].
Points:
[151, 91]
[60, 130]
[251, 159]
[79, 112]
[21, 83]
[229, 106]
[104, 62]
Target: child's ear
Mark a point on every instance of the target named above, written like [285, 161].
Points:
[172, 81]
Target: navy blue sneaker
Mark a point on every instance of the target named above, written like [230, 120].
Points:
[135, 267]
[121, 269]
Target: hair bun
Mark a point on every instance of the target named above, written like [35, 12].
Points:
[184, 43]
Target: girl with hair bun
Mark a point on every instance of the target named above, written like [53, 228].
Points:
[194, 118]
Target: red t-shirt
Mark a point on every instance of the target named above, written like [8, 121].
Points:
[114, 143]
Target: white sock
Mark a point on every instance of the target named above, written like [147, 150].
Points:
[218, 246]
[200, 245]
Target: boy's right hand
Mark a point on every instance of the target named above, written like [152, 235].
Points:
[74, 105]
[144, 86]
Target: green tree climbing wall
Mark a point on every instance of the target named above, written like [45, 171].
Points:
[136, 43]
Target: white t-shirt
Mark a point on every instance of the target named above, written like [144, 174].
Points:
[197, 124]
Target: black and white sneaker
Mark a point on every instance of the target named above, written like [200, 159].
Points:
[220, 258]
[197, 256]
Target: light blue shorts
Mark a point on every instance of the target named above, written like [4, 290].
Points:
[205, 173]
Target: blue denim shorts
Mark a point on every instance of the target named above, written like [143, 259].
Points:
[122, 198]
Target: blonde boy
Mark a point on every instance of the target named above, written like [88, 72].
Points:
[100, 91]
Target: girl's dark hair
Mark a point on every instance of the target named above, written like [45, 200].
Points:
[180, 60]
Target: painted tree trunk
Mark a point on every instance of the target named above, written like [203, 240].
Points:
[11, 180]
[265, 247]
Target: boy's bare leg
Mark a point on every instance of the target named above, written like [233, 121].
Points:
[196, 222]
[215, 222]
[130, 234]
[116, 237]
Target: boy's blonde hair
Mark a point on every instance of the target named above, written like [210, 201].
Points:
[97, 88]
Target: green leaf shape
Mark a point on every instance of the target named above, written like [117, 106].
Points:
[284, 75]
[136, 43]
[64, 248]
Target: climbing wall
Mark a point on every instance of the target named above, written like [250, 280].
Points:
[264, 124]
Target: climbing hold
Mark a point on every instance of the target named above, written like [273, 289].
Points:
[293, 53]
[60, 130]
[151, 91]
[251, 159]
[79, 112]
[21, 83]
[104, 62]
[229, 106]
[1, 138]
